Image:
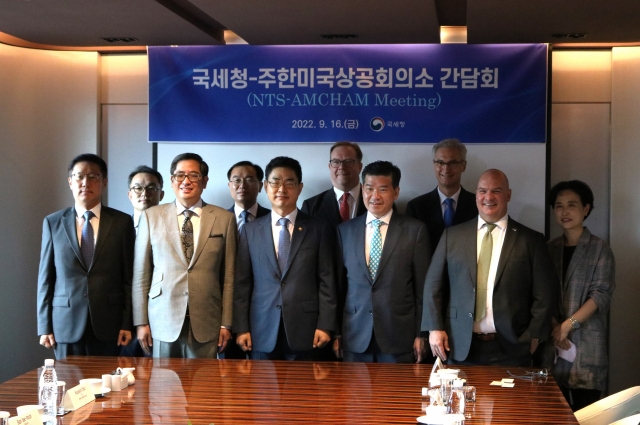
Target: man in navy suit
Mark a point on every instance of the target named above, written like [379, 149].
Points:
[502, 285]
[245, 182]
[285, 293]
[86, 264]
[383, 261]
[344, 200]
[448, 204]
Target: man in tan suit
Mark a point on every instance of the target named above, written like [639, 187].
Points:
[184, 269]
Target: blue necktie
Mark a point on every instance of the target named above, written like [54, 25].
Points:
[449, 212]
[87, 241]
[376, 248]
[244, 219]
[284, 243]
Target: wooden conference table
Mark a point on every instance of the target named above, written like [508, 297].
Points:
[176, 391]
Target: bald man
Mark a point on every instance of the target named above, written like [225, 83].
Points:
[501, 282]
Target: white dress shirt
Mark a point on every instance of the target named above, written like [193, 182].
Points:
[369, 231]
[275, 227]
[95, 222]
[195, 219]
[443, 197]
[352, 201]
[487, 325]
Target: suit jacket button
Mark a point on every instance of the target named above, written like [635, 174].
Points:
[282, 284]
[84, 295]
[278, 307]
[470, 314]
[371, 311]
[186, 292]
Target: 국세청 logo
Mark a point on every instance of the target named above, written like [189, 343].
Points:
[377, 124]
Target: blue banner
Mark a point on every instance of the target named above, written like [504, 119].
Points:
[362, 93]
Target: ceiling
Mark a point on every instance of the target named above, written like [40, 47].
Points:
[132, 24]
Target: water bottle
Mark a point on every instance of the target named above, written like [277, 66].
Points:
[49, 389]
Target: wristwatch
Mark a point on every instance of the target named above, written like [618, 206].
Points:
[574, 323]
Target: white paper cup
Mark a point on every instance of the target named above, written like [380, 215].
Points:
[115, 382]
[106, 381]
[95, 384]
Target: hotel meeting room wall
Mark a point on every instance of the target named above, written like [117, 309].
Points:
[123, 84]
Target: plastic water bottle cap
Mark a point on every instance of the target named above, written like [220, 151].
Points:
[49, 362]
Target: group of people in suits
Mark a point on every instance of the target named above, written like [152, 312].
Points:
[346, 273]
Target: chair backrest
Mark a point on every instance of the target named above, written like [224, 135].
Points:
[630, 420]
[610, 409]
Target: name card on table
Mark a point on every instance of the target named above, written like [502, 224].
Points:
[77, 397]
[32, 417]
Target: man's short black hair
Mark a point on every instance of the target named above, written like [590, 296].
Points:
[204, 168]
[284, 162]
[578, 187]
[92, 158]
[143, 169]
[256, 167]
[382, 168]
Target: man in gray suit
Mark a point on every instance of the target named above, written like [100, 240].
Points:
[285, 295]
[383, 260]
[501, 282]
[84, 281]
[184, 269]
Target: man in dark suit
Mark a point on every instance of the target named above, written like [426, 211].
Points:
[501, 282]
[145, 191]
[344, 200]
[86, 261]
[383, 260]
[285, 293]
[245, 182]
[448, 204]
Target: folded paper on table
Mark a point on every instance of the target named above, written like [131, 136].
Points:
[77, 397]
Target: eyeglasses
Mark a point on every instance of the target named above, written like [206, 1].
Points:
[451, 164]
[289, 184]
[193, 177]
[336, 163]
[151, 189]
[90, 177]
[541, 374]
[238, 181]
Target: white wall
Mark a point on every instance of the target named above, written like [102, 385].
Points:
[48, 114]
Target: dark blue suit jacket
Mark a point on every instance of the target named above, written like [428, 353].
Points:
[390, 305]
[325, 206]
[427, 208]
[305, 294]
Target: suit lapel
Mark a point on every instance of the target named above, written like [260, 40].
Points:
[435, 212]
[331, 208]
[266, 243]
[106, 221]
[170, 222]
[472, 250]
[360, 239]
[207, 219]
[361, 210]
[300, 231]
[507, 246]
[69, 224]
[391, 239]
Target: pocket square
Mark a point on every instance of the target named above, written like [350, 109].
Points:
[218, 235]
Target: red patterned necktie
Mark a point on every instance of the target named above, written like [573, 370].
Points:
[344, 206]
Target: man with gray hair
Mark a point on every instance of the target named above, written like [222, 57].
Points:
[448, 204]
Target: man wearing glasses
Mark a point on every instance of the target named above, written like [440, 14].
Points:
[145, 191]
[84, 281]
[245, 182]
[285, 294]
[344, 200]
[448, 204]
[184, 268]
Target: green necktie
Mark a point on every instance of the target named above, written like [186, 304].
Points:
[484, 263]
